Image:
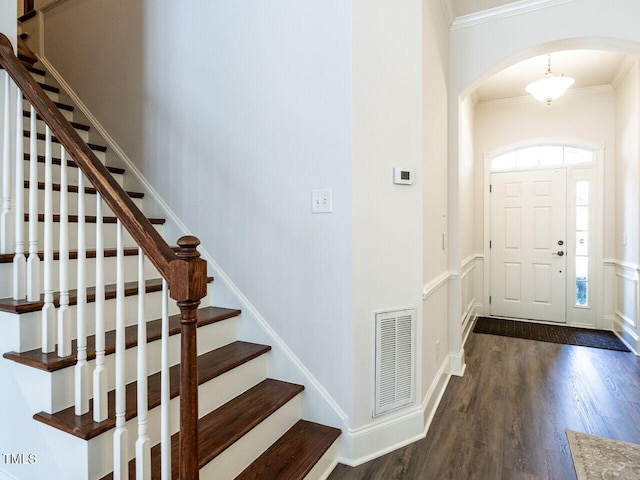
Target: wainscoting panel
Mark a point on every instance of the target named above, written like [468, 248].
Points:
[626, 303]
[471, 284]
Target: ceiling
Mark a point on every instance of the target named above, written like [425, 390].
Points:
[589, 68]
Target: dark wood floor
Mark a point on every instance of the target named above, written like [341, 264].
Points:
[506, 418]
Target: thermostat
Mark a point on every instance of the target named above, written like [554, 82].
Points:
[403, 176]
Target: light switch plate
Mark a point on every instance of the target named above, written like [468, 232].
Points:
[321, 201]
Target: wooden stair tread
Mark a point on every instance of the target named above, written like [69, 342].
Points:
[210, 365]
[221, 428]
[60, 105]
[90, 219]
[76, 125]
[130, 288]
[74, 189]
[42, 136]
[51, 362]
[37, 71]
[26, 16]
[49, 88]
[72, 164]
[294, 455]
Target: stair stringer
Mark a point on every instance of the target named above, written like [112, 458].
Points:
[318, 405]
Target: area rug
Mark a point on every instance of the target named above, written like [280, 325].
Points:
[583, 337]
[602, 458]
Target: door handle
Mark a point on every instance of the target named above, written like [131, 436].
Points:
[560, 253]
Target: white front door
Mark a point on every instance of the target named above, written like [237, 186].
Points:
[528, 245]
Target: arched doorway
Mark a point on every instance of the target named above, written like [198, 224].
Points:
[624, 316]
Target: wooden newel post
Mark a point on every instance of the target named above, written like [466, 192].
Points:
[188, 285]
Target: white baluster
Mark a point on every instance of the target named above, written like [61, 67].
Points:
[19, 260]
[120, 444]
[6, 216]
[143, 444]
[100, 371]
[33, 262]
[64, 312]
[165, 426]
[48, 310]
[82, 367]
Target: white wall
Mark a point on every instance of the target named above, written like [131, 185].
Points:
[8, 19]
[435, 54]
[466, 180]
[387, 132]
[234, 112]
[627, 177]
[623, 273]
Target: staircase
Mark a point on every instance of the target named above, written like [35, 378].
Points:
[111, 398]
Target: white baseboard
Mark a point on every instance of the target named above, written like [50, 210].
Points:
[358, 446]
[469, 323]
[457, 364]
[627, 335]
[608, 322]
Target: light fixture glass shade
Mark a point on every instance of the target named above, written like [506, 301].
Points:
[550, 87]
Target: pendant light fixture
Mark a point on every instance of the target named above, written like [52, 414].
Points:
[551, 86]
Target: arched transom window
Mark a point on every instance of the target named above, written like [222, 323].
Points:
[540, 156]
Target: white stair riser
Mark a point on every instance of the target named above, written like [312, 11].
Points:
[209, 337]
[40, 127]
[55, 149]
[24, 395]
[109, 234]
[52, 95]
[67, 114]
[325, 465]
[222, 388]
[130, 273]
[72, 174]
[90, 201]
[239, 456]
[38, 78]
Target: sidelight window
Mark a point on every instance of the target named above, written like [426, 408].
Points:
[582, 243]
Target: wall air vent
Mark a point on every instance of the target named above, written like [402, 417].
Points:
[395, 355]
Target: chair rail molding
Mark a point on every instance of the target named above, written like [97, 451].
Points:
[438, 282]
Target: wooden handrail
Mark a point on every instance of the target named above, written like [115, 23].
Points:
[133, 220]
[184, 271]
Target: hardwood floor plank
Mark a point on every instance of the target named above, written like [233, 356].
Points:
[506, 418]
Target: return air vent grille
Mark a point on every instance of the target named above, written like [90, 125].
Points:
[395, 353]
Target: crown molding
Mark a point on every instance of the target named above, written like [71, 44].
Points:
[448, 11]
[622, 71]
[529, 99]
[504, 11]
